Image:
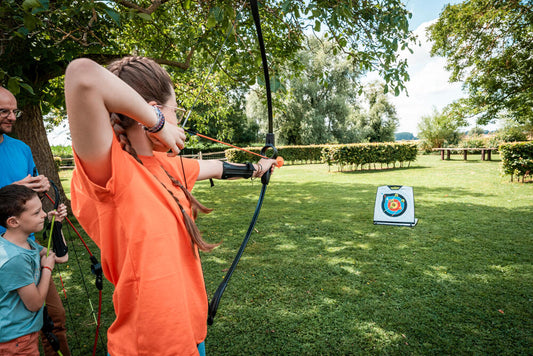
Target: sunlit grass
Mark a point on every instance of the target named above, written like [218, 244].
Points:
[318, 278]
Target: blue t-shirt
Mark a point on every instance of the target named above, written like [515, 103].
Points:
[19, 267]
[16, 162]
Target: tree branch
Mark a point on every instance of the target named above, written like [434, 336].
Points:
[182, 65]
[149, 10]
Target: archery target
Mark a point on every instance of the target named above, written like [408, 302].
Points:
[395, 206]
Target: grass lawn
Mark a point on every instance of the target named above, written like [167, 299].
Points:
[319, 278]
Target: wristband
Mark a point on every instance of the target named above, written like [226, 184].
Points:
[47, 268]
[160, 121]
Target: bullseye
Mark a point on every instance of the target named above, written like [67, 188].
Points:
[394, 204]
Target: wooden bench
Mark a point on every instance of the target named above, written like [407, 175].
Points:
[486, 152]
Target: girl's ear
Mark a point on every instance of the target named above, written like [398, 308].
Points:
[12, 222]
[152, 103]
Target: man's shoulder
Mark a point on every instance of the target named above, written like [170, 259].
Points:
[13, 141]
[10, 143]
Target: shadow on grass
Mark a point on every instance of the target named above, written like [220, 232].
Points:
[319, 278]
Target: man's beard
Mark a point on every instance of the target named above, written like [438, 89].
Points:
[3, 131]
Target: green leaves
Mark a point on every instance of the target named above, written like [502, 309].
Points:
[517, 158]
[216, 15]
[488, 46]
[28, 5]
[369, 153]
[14, 84]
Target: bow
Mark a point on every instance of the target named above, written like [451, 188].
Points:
[265, 179]
[54, 229]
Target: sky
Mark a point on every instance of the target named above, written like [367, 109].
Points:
[428, 88]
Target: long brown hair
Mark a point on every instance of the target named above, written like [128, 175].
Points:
[153, 83]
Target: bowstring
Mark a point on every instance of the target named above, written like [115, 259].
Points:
[231, 30]
[214, 303]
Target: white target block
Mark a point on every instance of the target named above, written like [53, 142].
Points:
[395, 205]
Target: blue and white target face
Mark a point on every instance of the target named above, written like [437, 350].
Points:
[393, 204]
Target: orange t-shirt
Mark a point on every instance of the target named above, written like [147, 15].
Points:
[160, 299]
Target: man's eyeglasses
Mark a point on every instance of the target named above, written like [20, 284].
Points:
[5, 113]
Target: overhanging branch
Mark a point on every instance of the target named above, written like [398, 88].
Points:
[149, 10]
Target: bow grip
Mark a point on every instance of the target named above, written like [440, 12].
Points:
[265, 178]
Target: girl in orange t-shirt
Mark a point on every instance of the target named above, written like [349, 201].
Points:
[134, 201]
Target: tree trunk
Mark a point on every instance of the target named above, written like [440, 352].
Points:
[30, 129]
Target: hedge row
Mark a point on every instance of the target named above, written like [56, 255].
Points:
[357, 154]
[360, 154]
[290, 154]
[517, 159]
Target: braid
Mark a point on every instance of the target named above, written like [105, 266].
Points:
[120, 133]
[192, 228]
[195, 204]
[154, 84]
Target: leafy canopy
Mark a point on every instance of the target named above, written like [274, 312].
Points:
[488, 45]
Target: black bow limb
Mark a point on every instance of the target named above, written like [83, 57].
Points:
[47, 329]
[265, 179]
[58, 243]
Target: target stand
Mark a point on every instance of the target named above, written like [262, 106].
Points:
[395, 205]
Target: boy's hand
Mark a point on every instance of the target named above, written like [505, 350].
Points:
[60, 213]
[48, 261]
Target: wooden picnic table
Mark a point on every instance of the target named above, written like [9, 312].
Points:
[486, 152]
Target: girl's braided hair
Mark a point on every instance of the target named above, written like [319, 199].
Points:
[153, 83]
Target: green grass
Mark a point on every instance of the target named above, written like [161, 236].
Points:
[319, 278]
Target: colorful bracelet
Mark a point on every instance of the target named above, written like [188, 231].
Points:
[47, 268]
[160, 121]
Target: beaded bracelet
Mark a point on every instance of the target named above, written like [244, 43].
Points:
[160, 121]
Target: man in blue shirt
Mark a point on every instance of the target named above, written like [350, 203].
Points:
[17, 166]
[16, 160]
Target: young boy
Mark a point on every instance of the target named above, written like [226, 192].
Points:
[25, 270]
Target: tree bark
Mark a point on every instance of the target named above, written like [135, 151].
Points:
[30, 129]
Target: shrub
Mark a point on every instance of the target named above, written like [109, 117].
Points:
[57, 161]
[291, 154]
[361, 154]
[62, 151]
[517, 159]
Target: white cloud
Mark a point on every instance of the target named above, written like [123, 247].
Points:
[60, 135]
[429, 86]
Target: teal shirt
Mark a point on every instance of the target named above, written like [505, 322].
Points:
[19, 267]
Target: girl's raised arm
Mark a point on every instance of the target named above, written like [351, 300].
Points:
[91, 94]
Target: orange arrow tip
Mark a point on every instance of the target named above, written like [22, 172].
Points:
[279, 162]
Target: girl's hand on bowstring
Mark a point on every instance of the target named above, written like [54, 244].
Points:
[171, 137]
